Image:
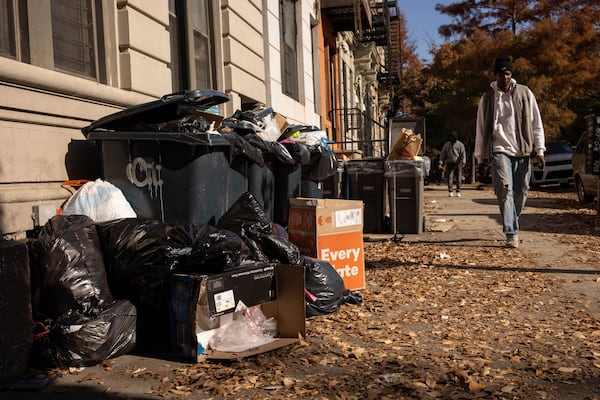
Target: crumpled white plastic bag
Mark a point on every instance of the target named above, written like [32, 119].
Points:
[101, 201]
[270, 131]
[249, 328]
[313, 138]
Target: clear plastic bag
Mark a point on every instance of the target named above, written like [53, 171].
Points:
[270, 130]
[248, 329]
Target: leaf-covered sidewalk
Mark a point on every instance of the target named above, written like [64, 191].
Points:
[446, 321]
[440, 319]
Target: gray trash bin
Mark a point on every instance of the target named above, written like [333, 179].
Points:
[405, 181]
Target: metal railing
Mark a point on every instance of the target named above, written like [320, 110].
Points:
[353, 129]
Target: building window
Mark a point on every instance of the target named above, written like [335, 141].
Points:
[7, 29]
[65, 35]
[289, 53]
[192, 46]
[77, 36]
[14, 32]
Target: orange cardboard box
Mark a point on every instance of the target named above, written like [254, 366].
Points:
[331, 230]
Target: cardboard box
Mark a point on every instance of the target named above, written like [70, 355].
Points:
[281, 122]
[406, 146]
[200, 304]
[332, 230]
[210, 117]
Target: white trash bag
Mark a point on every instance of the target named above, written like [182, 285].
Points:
[101, 201]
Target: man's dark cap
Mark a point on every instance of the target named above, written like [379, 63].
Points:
[502, 64]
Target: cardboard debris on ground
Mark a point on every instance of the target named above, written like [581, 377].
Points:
[200, 304]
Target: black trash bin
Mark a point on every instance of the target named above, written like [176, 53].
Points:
[322, 166]
[261, 176]
[288, 183]
[333, 187]
[288, 178]
[366, 182]
[405, 181]
[165, 165]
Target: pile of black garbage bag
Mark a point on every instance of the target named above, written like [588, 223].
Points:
[101, 290]
[80, 323]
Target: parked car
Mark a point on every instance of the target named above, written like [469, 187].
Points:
[585, 182]
[558, 168]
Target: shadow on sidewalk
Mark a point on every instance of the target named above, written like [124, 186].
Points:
[562, 221]
[569, 223]
[72, 392]
[538, 202]
[450, 241]
[385, 263]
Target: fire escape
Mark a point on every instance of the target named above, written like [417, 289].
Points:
[372, 22]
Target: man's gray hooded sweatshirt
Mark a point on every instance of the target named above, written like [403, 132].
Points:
[508, 122]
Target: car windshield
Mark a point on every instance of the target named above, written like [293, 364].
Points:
[558, 147]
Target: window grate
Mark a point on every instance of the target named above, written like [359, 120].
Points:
[73, 36]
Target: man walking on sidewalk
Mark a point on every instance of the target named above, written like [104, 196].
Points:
[509, 129]
[453, 155]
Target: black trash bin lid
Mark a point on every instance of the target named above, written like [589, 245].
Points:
[167, 108]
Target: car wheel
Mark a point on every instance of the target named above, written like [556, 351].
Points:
[583, 198]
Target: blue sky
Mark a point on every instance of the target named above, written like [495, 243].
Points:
[423, 22]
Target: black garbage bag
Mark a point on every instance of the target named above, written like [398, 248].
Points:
[273, 151]
[139, 261]
[351, 297]
[323, 163]
[246, 214]
[298, 151]
[247, 218]
[325, 287]
[138, 258]
[238, 146]
[76, 340]
[185, 124]
[245, 122]
[141, 255]
[280, 249]
[68, 273]
[205, 248]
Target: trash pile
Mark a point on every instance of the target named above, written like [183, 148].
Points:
[167, 155]
[101, 272]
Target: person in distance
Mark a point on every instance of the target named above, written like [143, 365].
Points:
[453, 155]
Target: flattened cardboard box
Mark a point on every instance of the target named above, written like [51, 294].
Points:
[331, 230]
[201, 303]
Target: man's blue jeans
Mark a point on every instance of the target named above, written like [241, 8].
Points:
[510, 176]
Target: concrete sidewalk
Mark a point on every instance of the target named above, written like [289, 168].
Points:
[546, 236]
[471, 218]
[474, 220]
